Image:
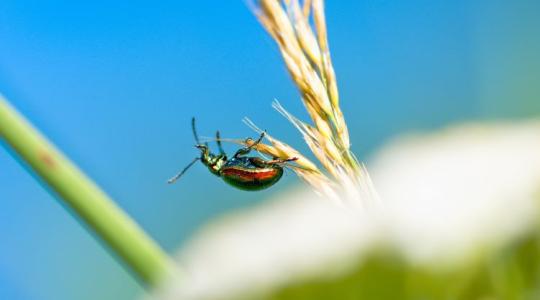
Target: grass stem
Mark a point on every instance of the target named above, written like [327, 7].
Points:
[88, 201]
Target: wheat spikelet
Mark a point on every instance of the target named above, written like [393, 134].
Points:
[306, 54]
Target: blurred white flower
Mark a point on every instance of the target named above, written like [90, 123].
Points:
[445, 196]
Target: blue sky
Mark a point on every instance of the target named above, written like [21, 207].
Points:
[114, 85]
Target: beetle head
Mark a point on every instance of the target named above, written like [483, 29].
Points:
[204, 150]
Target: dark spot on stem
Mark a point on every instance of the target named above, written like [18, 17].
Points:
[47, 159]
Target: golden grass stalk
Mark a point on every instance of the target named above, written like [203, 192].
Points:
[306, 54]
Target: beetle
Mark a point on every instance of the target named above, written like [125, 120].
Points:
[241, 171]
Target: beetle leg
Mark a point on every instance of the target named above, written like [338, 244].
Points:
[218, 141]
[259, 162]
[242, 151]
[246, 150]
[281, 161]
[258, 141]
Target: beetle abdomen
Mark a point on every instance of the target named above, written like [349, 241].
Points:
[251, 179]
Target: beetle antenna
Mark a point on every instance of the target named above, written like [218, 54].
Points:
[173, 179]
[195, 135]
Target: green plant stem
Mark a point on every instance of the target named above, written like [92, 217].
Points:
[86, 199]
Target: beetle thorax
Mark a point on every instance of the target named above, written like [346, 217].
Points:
[213, 162]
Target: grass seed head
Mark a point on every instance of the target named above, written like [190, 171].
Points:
[305, 51]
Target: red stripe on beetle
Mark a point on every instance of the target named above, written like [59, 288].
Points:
[248, 175]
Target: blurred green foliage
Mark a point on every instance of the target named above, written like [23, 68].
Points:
[510, 271]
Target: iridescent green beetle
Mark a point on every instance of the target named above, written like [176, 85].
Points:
[241, 171]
